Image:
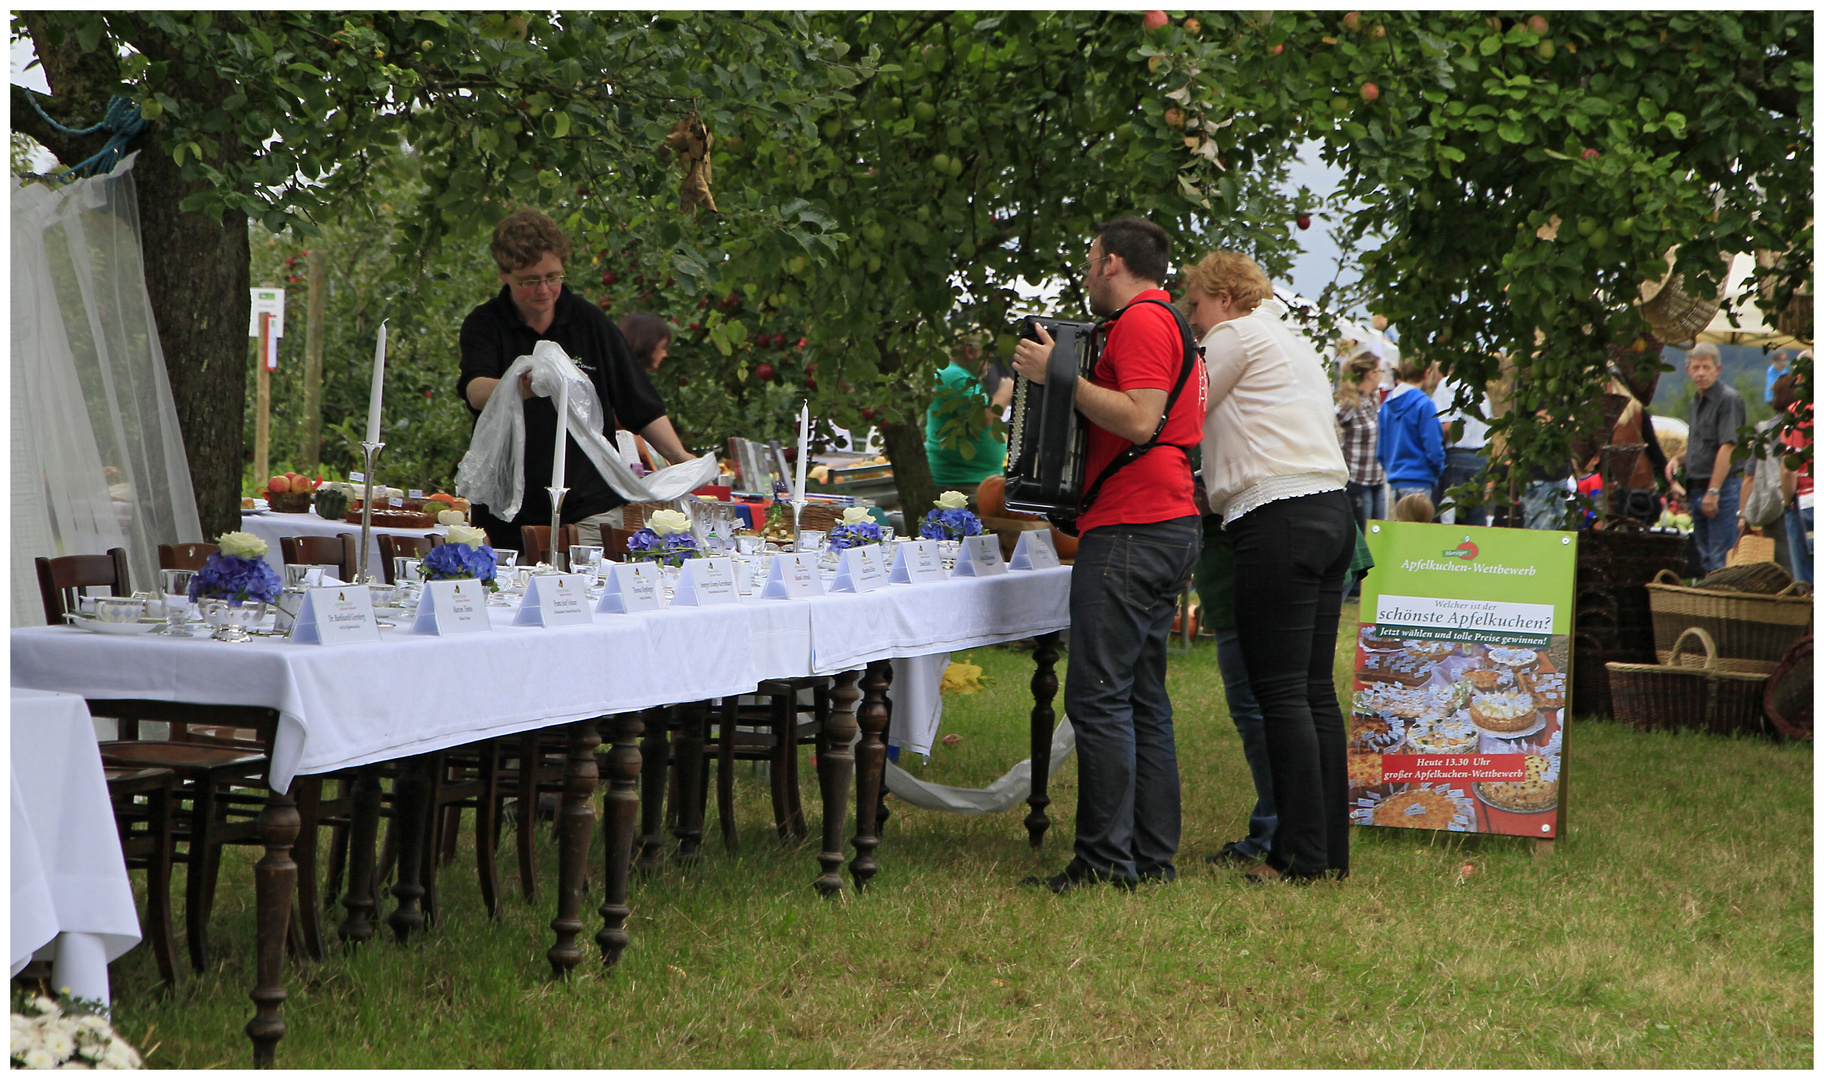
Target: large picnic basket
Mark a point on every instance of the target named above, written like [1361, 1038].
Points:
[1749, 631]
[1788, 700]
[1674, 697]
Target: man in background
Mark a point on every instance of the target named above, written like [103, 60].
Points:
[1463, 457]
[1716, 413]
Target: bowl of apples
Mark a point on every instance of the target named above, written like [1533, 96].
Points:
[290, 493]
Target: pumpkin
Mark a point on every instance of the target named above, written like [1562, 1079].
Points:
[331, 503]
[991, 500]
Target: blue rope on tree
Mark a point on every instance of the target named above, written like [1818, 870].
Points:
[122, 119]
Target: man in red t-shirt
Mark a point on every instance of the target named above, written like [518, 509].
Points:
[1140, 540]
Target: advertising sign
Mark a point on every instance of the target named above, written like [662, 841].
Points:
[1462, 679]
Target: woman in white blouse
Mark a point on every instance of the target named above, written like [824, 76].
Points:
[1275, 473]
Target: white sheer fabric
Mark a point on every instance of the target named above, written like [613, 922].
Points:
[1004, 794]
[98, 461]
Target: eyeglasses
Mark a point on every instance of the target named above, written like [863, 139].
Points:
[1089, 264]
[553, 280]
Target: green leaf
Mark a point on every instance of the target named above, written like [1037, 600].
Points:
[1490, 45]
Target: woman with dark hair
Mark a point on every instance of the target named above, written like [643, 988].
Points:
[650, 337]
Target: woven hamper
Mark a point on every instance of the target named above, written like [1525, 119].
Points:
[1750, 631]
[1788, 700]
[1673, 697]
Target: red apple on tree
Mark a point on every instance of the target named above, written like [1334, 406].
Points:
[1174, 117]
[1590, 153]
[609, 277]
[764, 373]
[1352, 22]
[1156, 19]
[1304, 221]
[1538, 25]
[1370, 91]
[1276, 50]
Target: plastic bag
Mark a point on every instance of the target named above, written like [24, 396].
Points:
[491, 473]
[1764, 506]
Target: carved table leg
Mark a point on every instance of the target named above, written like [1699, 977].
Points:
[275, 879]
[1044, 689]
[576, 820]
[692, 719]
[835, 767]
[655, 755]
[620, 807]
[870, 766]
[411, 818]
[486, 803]
[363, 830]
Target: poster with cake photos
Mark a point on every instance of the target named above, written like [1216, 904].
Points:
[1462, 679]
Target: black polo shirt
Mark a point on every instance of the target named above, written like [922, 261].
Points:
[494, 335]
[1715, 414]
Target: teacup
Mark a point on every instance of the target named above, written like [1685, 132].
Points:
[118, 609]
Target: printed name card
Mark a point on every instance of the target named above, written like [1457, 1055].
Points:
[793, 575]
[917, 562]
[980, 556]
[336, 615]
[703, 582]
[554, 600]
[458, 606]
[632, 586]
[862, 569]
[1035, 551]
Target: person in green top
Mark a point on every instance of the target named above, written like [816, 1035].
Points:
[963, 465]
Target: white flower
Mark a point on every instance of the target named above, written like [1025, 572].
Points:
[38, 1058]
[855, 515]
[94, 1023]
[952, 500]
[669, 522]
[46, 1005]
[468, 534]
[121, 1056]
[240, 545]
[60, 1044]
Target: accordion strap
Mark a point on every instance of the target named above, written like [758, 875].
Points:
[1192, 353]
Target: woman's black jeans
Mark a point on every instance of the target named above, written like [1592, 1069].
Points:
[1290, 558]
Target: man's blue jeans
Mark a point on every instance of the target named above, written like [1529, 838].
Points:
[1249, 723]
[1715, 535]
[1400, 491]
[1123, 590]
[1369, 502]
[1798, 541]
[1460, 467]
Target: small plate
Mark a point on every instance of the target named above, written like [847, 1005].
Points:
[94, 625]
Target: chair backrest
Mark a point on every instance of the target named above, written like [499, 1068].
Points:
[185, 556]
[535, 542]
[410, 547]
[61, 580]
[338, 550]
[614, 543]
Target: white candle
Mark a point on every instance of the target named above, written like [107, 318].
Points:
[373, 395]
[804, 451]
[563, 433]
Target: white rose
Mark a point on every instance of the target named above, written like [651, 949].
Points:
[467, 534]
[855, 515]
[669, 522]
[240, 545]
[952, 500]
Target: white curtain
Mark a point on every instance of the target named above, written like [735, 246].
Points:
[98, 461]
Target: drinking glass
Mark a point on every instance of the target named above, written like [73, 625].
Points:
[585, 558]
[506, 558]
[298, 574]
[811, 539]
[176, 589]
[405, 569]
[886, 534]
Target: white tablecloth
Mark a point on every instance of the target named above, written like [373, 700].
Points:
[68, 875]
[354, 704]
[271, 525]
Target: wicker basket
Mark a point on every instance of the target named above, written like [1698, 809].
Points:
[1788, 700]
[1766, 578]
[1751, 632]
[1751, 549]
[1673, 697]
[1677, 318]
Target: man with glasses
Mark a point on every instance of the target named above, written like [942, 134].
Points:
[1141, 537]
[535, 305]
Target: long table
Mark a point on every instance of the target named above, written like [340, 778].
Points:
[269, 525]
[407, 696]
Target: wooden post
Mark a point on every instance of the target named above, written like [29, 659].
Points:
[262, 415]
[309, 455]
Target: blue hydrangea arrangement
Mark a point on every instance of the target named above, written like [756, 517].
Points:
[450, 561]
[648, 546]
[951, 524]
[854, 535]
[235, 579]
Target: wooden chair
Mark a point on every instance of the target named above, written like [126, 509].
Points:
[143, 813]
[338, 551]
[614, 543]
[535, 542]
[61, 580]
[407, 547]
[184, 556]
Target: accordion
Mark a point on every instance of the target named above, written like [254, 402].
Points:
[1047, 436]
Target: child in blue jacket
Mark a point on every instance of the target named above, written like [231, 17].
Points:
[1412, 442]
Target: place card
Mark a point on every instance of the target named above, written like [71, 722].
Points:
[416, 493]
[554, 600]
[454, 606]
[336, 615]
[860, 569]
[705, 582]
[917, 562]
[632, 586]
[980, 556]
[1035, 551]
[794, 575]
[355, 477]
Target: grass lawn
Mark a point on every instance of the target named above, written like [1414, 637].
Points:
[1671, 929]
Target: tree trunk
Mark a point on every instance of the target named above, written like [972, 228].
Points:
[197, 273]
[911, 470]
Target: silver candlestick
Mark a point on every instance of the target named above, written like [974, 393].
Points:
[560, 559]
[369, 451]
